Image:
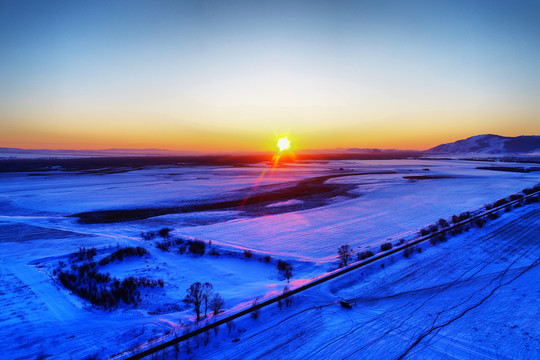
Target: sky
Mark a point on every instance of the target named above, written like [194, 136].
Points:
[230, 76]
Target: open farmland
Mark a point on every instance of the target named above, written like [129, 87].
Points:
[473, 297]
[369, 203]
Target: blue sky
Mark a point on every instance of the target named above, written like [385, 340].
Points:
[234, 75]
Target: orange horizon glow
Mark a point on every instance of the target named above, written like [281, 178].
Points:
[217, 143]
[228, 79]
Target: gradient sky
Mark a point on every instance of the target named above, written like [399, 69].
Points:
[234, 75]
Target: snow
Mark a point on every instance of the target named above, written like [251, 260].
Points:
[388, 206]
[474, 296]
[39, 316]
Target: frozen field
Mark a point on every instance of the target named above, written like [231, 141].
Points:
[377, 200]
[473, 297]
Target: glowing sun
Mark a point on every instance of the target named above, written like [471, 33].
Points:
[283, 143]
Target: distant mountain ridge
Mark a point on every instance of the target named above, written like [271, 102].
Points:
[32, 153]
[489, 144]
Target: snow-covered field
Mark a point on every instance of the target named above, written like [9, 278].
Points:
[473, 297]
[40, 317]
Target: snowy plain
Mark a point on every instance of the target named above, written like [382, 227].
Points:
[40, 317]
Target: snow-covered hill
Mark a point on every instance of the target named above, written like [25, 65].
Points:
[490, 144]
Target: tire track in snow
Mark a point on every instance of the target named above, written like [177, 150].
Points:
[436, 328]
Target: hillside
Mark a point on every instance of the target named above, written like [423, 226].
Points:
[489, 144]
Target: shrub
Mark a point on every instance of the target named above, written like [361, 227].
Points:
[534, 189]
[464, 216]
[443, 223]
[214, 252]
[84, 254]
[287, 273]
[424, 232]
[493, 215]
[480, 222]
[532, 199]
[267, 258]
[100, 288]
[364, 255]
[147, 235]
[386, 246]
[165, 232]
[407, 252]
[197, 247]
[164, 245]
[120, 254]
[182, 249]
[282, 265]
[500, 202]
[248, 253]
[285, 268]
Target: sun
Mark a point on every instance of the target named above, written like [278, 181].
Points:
[283, 143]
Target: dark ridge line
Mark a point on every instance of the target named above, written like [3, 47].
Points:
[135, 162]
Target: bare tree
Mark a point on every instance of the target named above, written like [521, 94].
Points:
[206, 334]
[231, 326]
[216, 330]
[288, 272]
[195, 297]
[288, 299]
[208, 291]
[217, 303]
[255, 313]
[345, 253]
[185, 331]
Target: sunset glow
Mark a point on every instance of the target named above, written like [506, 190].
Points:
[225, 76]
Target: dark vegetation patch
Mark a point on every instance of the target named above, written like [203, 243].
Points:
[313, 192]
[122, 253]
[529, 191]
[428, 177]
[114, 164]
[509, 168]
[364, 255]
[439, 232]
[200, 247]
[82, 277]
